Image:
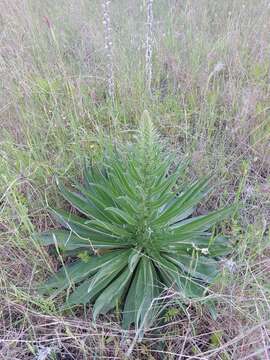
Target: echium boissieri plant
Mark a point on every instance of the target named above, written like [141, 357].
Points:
[138, 233]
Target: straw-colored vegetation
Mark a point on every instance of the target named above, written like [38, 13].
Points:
[75, 73]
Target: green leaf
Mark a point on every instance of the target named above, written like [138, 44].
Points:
[81, 203]
[76, 272]
[97, 205]
[106, 273]
[130, 311]
[81, 295]
[115, 229]
[80, 226]
[127, 204]
[68, 240]
[199, 267]
[187, 286]
[112, 294]
[188, 199]
[147, 291]
[203, 222]
[108, 268]
[120, 176]
[133, 259]
[123, 215]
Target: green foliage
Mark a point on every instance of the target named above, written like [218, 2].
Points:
[171, 314]
[138, 233]
[43, 89]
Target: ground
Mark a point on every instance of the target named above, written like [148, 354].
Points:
[209, 99]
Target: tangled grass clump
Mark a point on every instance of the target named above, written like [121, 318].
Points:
[139, 235]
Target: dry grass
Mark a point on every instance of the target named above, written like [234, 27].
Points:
[210, 91]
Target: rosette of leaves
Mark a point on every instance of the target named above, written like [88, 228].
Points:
[138, 233]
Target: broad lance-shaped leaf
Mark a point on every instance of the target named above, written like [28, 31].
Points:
[71, 221]
[103, 192]
[80, 203]
[115, 229]
[187, 242]
[76, 223]
[65, 277]
[141, 305]
[90, 288]
[203, 222]
[76, 272]
[123, 215]
[130, 311]
[120, 176]
[133, 259]
[112, 294]
[100, 203]
[115, 290]
[80, 226]
[162, 200]
[68, 240]
[199, 267]
[128, 205]
[82, 295]
[183, 202]
[93, 174]
[90, 205]
[184, 284]
[165, 185]
[120, 261]
[147, 290]
[220, 246]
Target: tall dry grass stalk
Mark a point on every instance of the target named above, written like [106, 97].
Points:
[108, 47]
[149, 45]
